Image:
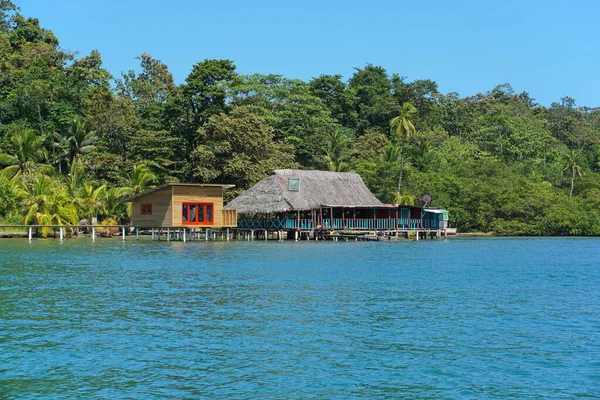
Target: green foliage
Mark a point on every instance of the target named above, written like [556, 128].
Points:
[239, 148]
[74, 142]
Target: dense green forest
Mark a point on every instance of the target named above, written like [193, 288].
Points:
[75, 141]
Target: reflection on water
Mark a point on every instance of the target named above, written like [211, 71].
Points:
[468, 318]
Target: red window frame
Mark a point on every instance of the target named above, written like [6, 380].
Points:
[186, 213]
[146, 209]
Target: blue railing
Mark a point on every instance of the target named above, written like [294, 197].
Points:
[334, 223]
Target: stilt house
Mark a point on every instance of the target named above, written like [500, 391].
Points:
[313, 200]
[182, 205]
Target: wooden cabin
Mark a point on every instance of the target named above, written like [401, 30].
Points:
[435, 218]
[182, 205]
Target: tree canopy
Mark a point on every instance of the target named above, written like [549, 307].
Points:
[74, 140]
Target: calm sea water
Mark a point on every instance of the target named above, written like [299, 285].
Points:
[463, 318]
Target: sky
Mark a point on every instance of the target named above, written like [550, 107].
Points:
[548, 48]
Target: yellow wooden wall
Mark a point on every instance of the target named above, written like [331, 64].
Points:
[197, 194]
[162, 210]
[167, 207]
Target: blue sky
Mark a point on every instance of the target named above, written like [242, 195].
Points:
[548, 48]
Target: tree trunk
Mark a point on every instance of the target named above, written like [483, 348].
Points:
[572, 181]
[401, 171]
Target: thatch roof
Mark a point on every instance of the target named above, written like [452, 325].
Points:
[317, 188]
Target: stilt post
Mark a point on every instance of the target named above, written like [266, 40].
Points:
[30, 233]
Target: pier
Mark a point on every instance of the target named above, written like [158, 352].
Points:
[61, 232]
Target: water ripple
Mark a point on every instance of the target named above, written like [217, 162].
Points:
[470, 318]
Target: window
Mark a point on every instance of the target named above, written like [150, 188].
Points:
[145, 209]
[293, 185]
[197, 214]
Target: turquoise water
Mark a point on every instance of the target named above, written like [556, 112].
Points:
[463, 318]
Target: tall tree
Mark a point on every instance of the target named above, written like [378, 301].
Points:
[240, 148]
[337, 152]
[26, 150]
[80, 139]
[204, 94]
[573, 161]
[402, 129]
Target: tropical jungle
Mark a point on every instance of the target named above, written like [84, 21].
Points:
[76, 140]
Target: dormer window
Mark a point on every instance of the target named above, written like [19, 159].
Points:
[293, 185]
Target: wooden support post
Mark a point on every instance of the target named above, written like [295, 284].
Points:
[331, 218]
[228, 234]
[123, 230]
[152, 233]
[137, 234]
[417, 235]
[168, 235]
[321, 216]
[296, 236]
[184, 235]
[374, 220]
[93, 234]
[62, 234]
[266, 235]
[30, 233]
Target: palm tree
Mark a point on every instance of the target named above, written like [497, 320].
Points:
[91, 200]
[114, 207]
[402, 129]
[391, 153]
[139, 180]
[76, 178]
[80, 139]
[337, 153]
[405, 199]
[422, 155]
[46, 202]
[27, 150]
[573, 160]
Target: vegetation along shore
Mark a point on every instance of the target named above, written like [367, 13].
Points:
[75, 141]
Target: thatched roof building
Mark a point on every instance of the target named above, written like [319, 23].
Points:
[296, 190]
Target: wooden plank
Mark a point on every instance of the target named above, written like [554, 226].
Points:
[161, 210]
